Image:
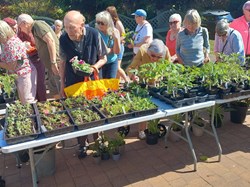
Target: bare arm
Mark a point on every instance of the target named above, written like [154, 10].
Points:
[116, 36]
[62, 76]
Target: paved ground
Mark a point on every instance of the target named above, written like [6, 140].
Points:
[144, 165]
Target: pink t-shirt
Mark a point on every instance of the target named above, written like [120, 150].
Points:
[13, 50]
[240, 24]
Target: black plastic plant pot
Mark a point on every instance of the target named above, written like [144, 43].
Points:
[238, 115]
[152, 139]
[154, 89]
[190, 94]
[212, 91]
[217, 123]
[105, 156]
[81, 73]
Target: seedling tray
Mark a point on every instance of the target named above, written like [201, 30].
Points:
[91, 124]
[145, 112]
[19, 139]
[59, 130]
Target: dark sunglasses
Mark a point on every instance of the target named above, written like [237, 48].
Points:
[173, 22]
[247, 10]
[100, 23]
[222, 35]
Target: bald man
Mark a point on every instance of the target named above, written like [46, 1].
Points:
[84, 42]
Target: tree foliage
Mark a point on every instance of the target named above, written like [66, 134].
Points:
[57, 8]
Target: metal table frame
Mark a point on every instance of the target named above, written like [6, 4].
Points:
[164, 111]
[187, 125]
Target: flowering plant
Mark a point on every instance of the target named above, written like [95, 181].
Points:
[80, 65]
[128, 36]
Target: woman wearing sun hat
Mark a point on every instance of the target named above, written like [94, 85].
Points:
[175, 28]
[143, 32]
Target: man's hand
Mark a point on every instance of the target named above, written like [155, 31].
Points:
[55, 69]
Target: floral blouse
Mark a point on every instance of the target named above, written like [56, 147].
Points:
[15, 50]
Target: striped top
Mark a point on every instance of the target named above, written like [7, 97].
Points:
[190, 46]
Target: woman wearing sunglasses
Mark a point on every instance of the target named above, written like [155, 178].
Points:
[148, 53]
[228, 41]
[111, 37]
[175, 28]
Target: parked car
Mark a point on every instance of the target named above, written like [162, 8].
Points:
[211, 17]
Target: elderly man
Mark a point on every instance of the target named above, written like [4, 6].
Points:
[228, 41]
[47, 45]
[242, 24]
[84, 42]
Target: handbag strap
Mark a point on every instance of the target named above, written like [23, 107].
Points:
[96, 76]
[226, 41]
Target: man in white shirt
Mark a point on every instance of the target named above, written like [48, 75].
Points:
[143, 32]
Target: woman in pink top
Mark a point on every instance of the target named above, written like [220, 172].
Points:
[175, 28]
[15, 60]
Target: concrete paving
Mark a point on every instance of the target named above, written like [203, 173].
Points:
[144, 165]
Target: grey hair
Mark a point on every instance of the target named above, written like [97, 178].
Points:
[6, 31]
[222, 27]
[175, 17]
[24, 18]
[58, 22]
[245, 5]
[192, 17]
[157, 46]
[106, 18]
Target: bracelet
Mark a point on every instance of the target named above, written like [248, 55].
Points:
[53, 62]
[95, 69]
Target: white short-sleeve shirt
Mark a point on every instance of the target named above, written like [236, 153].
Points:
[142, 31]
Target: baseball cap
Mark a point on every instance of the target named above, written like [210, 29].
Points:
[11, 22]
[246, 5]
[140, 12]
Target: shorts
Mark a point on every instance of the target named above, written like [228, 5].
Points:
[120, 55]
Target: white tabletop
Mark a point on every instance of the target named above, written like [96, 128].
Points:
[164, 111]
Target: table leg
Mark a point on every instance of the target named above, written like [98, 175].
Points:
[32, 167]
[215, 133]
[186, 126]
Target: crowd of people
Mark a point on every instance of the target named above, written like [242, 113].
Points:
[28, 47]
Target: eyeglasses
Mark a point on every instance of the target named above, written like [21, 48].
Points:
[155, 56]
[222, 35]
[173, 22]
[247, 10]
[100, 23]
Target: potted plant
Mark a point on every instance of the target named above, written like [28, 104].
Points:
[96, 151]
[239, 111]
[7, 82]
[104, 146]
[198, 124]
[152, 132]
[175, 128]
[218, 115]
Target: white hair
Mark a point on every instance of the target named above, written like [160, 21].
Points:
[24, 18]
[106, 18]
[58, 22]
[175, 17]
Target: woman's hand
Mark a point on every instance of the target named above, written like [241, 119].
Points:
[11, 66]
[116, 34]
